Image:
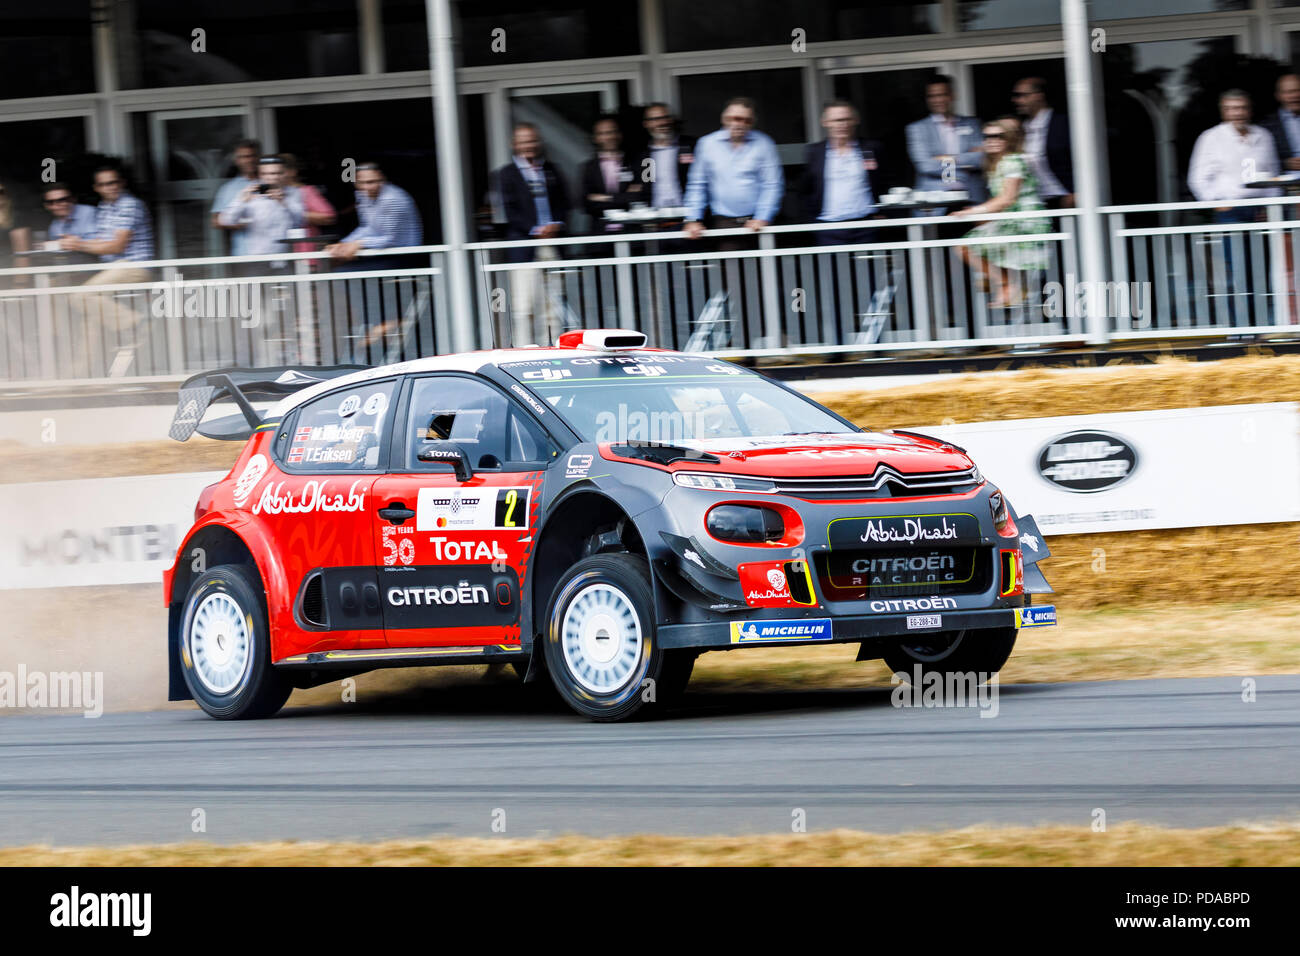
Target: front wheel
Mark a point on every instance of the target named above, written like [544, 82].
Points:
[225, 646]
[601, 649]
[982, 652]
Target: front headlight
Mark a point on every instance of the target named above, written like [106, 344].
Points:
[1002, 522]
[707, 482]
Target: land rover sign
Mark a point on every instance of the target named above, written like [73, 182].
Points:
[1087, 461]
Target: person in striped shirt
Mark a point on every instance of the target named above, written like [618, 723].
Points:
[389, 218]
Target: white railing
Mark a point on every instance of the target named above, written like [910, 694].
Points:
[173, 317]
[906, 290]
[1206, 278]
[732, 293]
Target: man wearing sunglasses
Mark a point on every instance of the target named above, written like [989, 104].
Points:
[68, 217]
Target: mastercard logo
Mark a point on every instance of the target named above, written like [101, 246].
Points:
[442, 522]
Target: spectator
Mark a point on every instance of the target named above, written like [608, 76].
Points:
[246, 153]
[1284, 125]
[123, 230]
[839, 176]
[15, 234]
[666, 163]
[388, 216]
[535, 204]
[123, 235]
[68, 217]
[1228, 156]
[945, 148]
[1047, 142]
[1015, 189]
[532, 194]
[316, 208]
[267, 209]
[607, 179]
[736, 174]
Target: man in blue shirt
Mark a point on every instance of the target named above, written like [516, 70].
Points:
[70, 218]
[736, 174]
[246, 154]
[123, 236]
[389, 219]
[388, 215]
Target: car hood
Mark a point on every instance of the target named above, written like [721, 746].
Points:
[789, 456]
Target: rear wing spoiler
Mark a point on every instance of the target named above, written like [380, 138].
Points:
[243, 386]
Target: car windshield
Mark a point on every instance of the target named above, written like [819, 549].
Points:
[668, 398]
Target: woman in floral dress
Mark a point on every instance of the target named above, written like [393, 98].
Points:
[1013, 188]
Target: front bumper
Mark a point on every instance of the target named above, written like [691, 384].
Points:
[849, 629]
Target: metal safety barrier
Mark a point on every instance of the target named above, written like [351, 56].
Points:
[901, 285]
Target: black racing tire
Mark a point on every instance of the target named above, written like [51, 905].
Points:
[601, 648]
[982, 651]
[225, 646]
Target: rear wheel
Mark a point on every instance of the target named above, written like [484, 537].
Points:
[982, 651]
[601, 649]
[225, 646]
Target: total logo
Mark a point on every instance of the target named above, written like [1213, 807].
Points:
[487, 551]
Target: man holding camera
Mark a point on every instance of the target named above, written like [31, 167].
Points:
[266, 209]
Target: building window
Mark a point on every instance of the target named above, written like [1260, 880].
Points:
[1007, 14]
[241, 41]
[723, 24]
[46, 51]
[778, 95]
[406, 36]
[493, 32]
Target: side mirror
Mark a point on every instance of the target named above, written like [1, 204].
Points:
[448, 453]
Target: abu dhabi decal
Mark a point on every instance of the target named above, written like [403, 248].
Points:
[313, 496]
[766, 632]
[253, 472]
[903, 529]
[477, 509]
[764, 584]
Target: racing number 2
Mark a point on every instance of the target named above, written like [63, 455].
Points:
[506, 509]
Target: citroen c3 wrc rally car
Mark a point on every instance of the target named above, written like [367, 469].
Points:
[597, 512]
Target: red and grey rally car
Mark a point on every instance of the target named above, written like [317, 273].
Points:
[599, 512]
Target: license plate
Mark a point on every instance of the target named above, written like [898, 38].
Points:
[918, 622]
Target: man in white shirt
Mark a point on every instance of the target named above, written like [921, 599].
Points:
[1228, 156]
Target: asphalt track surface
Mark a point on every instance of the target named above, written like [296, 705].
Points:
[1179, 752]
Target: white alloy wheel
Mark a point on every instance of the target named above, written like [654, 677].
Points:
[220, 643]
[601, 637]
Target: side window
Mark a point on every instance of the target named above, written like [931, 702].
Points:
[342, 431]
[492, 429]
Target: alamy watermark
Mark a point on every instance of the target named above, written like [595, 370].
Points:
[207, 299]
[929, 688]
[1113, 300]
[53, 690]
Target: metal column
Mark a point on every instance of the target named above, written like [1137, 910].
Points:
[451, 181]
[1085, 152]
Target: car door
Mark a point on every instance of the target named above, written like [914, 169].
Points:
[453, 551]
[315, 503]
